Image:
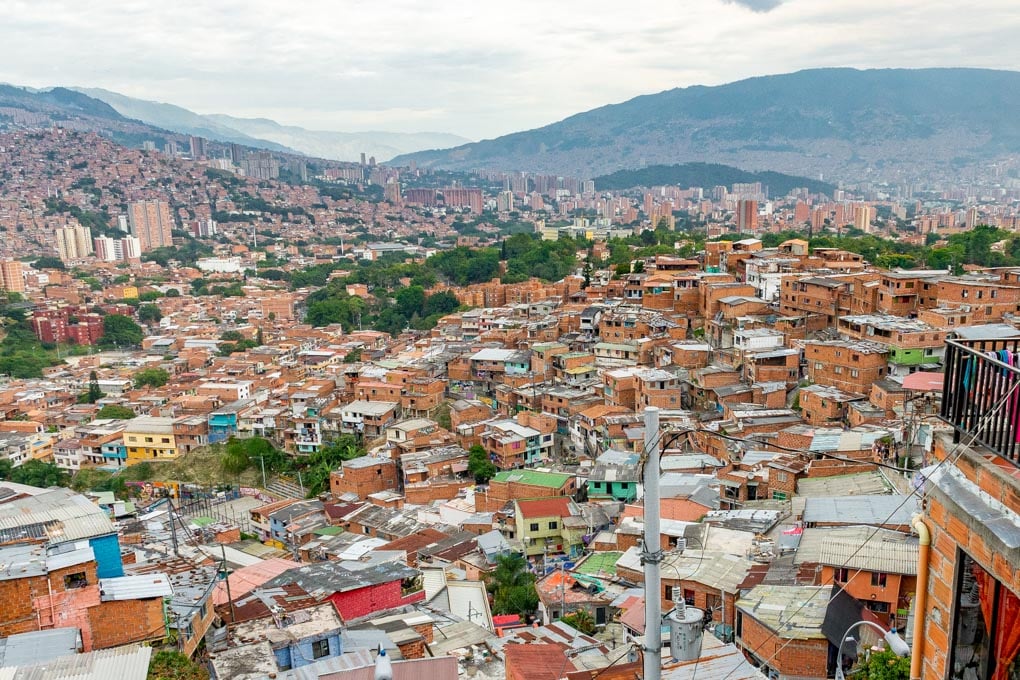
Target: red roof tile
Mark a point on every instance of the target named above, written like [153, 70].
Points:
[545, 507]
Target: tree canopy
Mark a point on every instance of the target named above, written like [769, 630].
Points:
[512, 586]
[120, 331]
[151, 377]
[479, 464]
[114, 412]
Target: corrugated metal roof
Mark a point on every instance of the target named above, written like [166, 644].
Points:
[858, 484]
[717, 661]
[867, 548]
[135, 587]
[793, 612]
[873, 510]
[38, 646]
[130, 662]
[59, 515]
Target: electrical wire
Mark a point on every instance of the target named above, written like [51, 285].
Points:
[954, 455]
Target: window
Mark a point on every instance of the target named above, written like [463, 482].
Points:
[148, 440]
[533, 526]
[553, 525]
[689, 597]
[837, 370]
[854, 373]
[819, 365]
[165, 440]
[985, 635]
[75, 580]
[842, 575]
[878, 579]
[320, 648]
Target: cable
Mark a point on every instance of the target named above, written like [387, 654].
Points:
[961, 447]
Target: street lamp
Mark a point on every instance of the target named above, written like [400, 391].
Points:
[896, 644]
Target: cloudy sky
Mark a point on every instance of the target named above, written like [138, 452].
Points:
[461, 66]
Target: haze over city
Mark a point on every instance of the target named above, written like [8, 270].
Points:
[553, 341]
[471, 68]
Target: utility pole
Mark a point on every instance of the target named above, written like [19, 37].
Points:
[226, 579]
[173, 527]
[651, 551]
[563, 592]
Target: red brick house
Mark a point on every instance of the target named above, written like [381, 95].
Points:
[357, 593]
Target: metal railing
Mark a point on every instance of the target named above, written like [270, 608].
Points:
[981, 397]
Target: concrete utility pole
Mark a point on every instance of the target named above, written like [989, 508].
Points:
[651, 550]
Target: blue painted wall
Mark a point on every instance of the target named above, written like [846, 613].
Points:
[300, 653]
[107, 552]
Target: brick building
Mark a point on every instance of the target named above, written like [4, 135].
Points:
[970, 518]
[363, 476]
[779, 628]
[357, 593]
[848, 366]
[511, 485]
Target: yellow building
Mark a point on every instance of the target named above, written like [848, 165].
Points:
[150, 438]
[548, 526]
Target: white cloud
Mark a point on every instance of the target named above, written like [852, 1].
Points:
[468, 67]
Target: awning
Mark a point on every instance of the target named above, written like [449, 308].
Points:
[924, 381]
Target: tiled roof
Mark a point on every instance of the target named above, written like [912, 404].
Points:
[545, 507]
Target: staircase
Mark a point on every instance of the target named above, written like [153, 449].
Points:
[283, 487]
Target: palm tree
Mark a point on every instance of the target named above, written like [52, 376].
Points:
[581, 620]
[513, 586]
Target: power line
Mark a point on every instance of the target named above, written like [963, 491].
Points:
[960, 447]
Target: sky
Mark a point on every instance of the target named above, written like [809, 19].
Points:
[476, 68]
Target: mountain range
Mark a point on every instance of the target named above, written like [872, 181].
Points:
[132, 121]
[833, 123]
[265, 133]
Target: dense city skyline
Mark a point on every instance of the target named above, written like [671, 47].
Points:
[465, 70]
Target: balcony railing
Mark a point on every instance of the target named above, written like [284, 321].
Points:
[981, 394]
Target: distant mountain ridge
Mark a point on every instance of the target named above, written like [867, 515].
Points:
[842, 122]
[265, 133]
[177, 119]
[67, 107]
[707, 175]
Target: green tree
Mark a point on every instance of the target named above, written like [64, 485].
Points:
[353, 357]
[442, 302]
[49, 262]
[171, 665]
[120, 331]
[580, 620]
[479, 464]
[512, 586]
[37, 473]
[115, 412]
[151, 377]
[410, 300]
[93, 394]
[883, 665]
[241, 454]
[328, 458]
[149, 313]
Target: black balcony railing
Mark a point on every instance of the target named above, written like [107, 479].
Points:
[981, 394]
